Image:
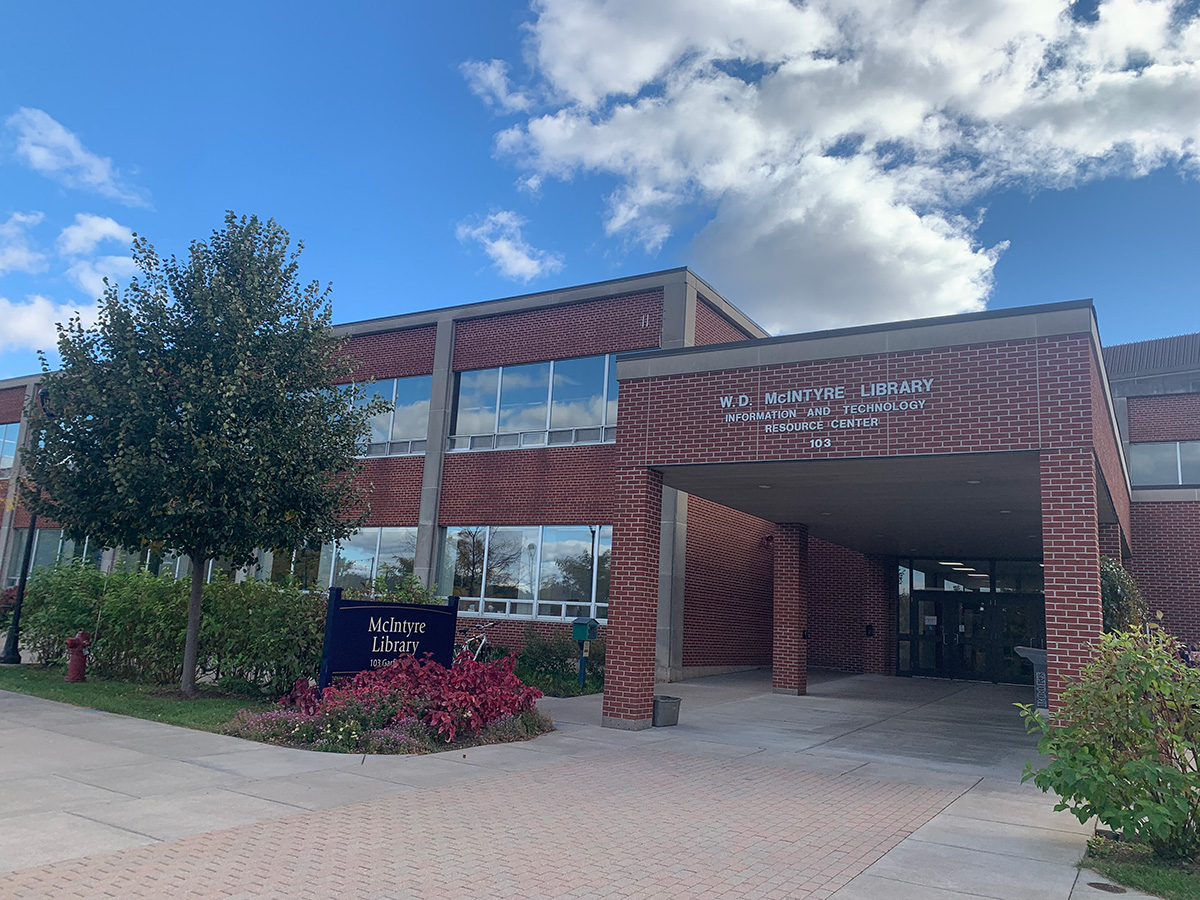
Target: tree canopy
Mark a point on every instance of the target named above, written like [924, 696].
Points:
[201, 410]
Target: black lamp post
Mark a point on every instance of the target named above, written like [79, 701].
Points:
[12, 653]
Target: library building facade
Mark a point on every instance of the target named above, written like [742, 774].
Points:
[918, 498]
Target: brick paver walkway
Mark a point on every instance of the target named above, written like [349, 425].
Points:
[641, 823]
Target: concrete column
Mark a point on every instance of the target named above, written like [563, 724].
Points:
[1071, 556]
[672, 559]
[633, 606]
[441, 398]
[789, 644]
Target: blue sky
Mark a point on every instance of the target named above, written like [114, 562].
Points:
[835, 163]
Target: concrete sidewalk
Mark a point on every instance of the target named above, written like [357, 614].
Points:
[881, 788]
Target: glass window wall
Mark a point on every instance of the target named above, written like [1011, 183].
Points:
[567, 401]
[550, 571]
[402, 428]
[10, 435]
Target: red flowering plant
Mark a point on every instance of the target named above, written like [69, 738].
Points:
[409, 705]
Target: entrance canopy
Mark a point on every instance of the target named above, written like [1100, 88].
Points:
[977, 504]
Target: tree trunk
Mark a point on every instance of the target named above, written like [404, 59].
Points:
[191, 644]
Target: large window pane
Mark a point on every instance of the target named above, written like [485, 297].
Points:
[18, 554]
[475, 402]
[578, 393]
[397, 551]
[512, 561]
[9, 435]
[355, 560]
[1189, 461]
[603, 561]
[461, 571]
[45, 548]
[1154, 463]
[524, 391]
[566, 568]
[412, 408]
[611, 415]
[380, 423]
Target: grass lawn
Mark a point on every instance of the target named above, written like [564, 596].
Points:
[1135, 866]
[207, 712]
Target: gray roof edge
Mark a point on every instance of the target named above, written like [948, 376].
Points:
[20, 381]
[837, 334]
[725, 308]
[557, 297]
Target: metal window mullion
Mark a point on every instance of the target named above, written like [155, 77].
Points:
[483, 580]
[535, 577]
[1178, 463]
[549, 400]
[604, 392]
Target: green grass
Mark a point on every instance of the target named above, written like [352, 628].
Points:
[206, 713]
[1135, 866]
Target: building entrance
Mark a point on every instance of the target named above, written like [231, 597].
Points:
[963, 620]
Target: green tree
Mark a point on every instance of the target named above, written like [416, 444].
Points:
[200, 411]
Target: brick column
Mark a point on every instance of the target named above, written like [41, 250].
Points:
[789, 648]
[1110, 540]
[1071, 555]
[633, 601]
[879, 615]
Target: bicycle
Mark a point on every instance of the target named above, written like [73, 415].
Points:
[472, 642]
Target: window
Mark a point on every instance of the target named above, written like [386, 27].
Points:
[567, 401]
[49, 546]
[373, 553]
[1163, 464]
[402, 428]
[9, 437]
[547, 571]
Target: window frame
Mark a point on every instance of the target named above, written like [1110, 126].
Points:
[391, 447]
[1178, 482]
[604, 432]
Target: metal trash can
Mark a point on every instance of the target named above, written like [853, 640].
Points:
[1041, 683]
[666, 710]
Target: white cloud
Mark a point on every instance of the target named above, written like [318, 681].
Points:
[500, 237]
[82, 238]
[16, 252]
[46, 146]
[30, 325]
[89, 274]
[489, 81]
[836, 144]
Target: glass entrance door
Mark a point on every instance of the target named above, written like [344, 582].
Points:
[972, 635]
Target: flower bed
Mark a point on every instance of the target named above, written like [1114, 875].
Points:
[409, 706]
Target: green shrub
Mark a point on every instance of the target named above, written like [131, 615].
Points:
[1124, 743]
[551, 664]
[254, 636]
[1121, 600]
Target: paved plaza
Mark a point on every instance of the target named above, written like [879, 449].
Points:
[869, 788]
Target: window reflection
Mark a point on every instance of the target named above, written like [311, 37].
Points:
[9, 437]
[523, 391]
[475, 402]
[411, 421]
[578, 393]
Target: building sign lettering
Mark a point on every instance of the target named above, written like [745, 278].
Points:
[819, 409]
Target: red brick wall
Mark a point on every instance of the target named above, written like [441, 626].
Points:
[847, 592]
[789, 657]
[633, 608]
[1167, 563]
[1108, 453]
[393, 354]
[395, 497]
[1166, 417]
[12, 402]
[510, 633]
[1018, 395]
[1071, 554]
[611, 325]
[727, 587]
[714, 328]
[547, 486]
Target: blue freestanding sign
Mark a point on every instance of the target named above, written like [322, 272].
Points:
[368, 634]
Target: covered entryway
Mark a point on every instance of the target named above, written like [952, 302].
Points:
[953, 444]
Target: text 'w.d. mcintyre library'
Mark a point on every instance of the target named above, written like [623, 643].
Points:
[915, 498]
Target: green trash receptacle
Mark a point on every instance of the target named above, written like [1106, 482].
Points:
[666, 710]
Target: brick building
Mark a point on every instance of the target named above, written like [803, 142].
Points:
[916, 498]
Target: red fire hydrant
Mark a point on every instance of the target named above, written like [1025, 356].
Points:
[77, 663]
